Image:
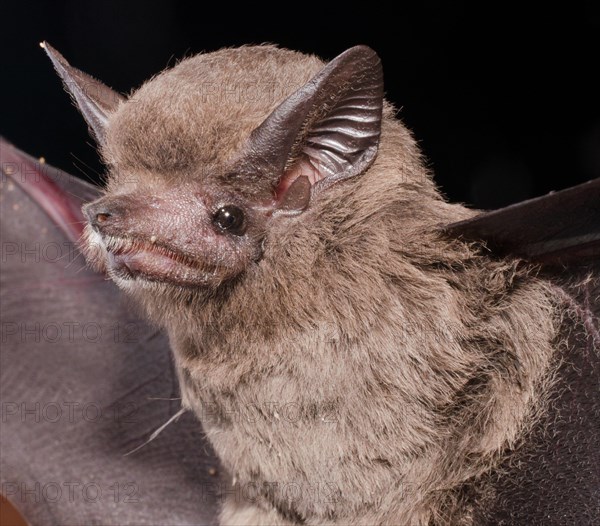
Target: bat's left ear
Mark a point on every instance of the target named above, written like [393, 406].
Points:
[95, 100]
[326, 131]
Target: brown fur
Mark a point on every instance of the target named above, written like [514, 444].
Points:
[364, 368]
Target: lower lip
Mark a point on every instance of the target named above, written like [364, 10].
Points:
[151, 265]
[142, 262]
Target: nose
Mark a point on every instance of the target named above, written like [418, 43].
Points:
[99, 214]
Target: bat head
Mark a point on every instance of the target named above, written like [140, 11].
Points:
[209, 158]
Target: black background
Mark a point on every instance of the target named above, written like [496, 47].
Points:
[502, 99]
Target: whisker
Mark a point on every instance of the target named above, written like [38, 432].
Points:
[87, 166]
[158, 431]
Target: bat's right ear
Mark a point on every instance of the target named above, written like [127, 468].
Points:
[95, 100]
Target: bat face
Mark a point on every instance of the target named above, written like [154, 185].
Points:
[209, 158]
[194, 234]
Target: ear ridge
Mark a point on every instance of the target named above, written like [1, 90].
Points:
[344, 141]
[95, 100]
[333, 122]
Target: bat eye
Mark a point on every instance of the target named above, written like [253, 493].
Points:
[230, 219]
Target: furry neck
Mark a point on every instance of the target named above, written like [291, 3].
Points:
[401, 371]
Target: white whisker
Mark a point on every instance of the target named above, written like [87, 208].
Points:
[158, 431]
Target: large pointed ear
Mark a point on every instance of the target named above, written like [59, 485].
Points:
[95, 100]
[326, 131]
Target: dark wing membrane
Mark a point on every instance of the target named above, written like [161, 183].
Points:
[558, 228]
[553, 475]
[83, 381]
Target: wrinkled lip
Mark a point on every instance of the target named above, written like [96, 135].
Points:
[138, 258]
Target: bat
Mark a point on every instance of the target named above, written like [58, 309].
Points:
[358, 350]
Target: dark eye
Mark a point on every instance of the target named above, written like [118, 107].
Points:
[230, 219]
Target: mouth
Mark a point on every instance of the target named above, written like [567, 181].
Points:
[151, 260]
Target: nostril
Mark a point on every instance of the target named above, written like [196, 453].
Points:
[102, 217]
[98, 219]
[103, 213]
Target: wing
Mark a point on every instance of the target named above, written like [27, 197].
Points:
[553, 476]
[555, 229]
[83, 380]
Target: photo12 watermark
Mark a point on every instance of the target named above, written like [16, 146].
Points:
[89, 492]
[69, 332]
[67, 412]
